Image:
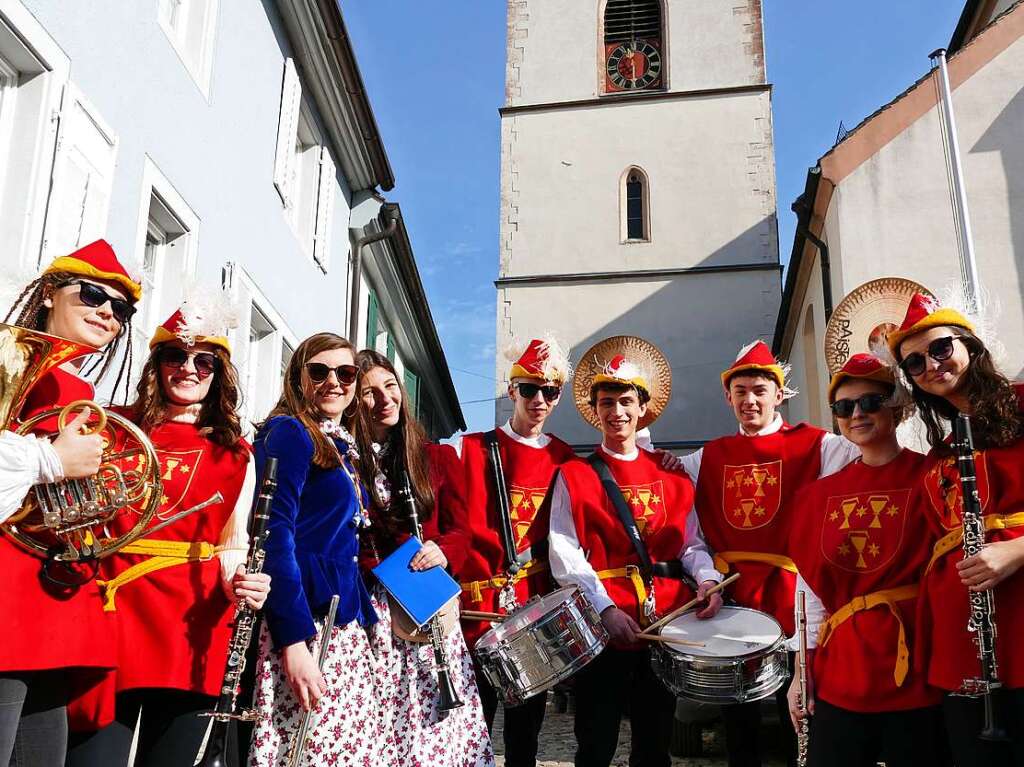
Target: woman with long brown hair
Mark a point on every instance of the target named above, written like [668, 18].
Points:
[173, 592]
[312, 555]
[56, 636]
[952, 372]
[393, 450]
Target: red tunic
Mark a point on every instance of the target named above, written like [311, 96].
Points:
[744, 494]
[861, 532]
[49, 627]
[660, 501]
[528, 475]
[948, 647]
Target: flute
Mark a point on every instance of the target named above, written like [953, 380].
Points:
[803, 734]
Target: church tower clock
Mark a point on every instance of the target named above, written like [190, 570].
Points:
[638, 191]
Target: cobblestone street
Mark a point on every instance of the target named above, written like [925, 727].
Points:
[558, 744]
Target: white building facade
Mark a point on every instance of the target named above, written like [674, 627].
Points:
[229, 143]
[638, 191]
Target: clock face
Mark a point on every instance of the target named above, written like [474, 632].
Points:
[633, 66]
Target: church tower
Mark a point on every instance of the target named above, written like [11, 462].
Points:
[638, 191]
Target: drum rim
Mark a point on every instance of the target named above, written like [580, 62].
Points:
[574, 592]
[676, 651]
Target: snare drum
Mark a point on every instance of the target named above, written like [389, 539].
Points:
[743, 658]
[545, 641]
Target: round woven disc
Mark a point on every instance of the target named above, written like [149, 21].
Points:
[638, 351]
[863, 320]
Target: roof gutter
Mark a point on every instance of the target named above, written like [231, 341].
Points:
[330, 12]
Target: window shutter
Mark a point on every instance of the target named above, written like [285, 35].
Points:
[391, 348]
[412, 389]
[82, 180]
[372, 320]
[324, 210]
[287, 130]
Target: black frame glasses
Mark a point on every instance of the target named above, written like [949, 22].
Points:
[318, 372]
[92, 295]
[529, 390]
[205, 363]
[869, 403]
[940, 350]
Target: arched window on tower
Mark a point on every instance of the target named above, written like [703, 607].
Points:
[635, 206]
[632, 52]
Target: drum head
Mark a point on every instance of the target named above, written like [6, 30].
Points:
[527, 615]
[733, 632]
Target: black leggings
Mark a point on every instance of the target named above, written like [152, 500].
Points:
[33, 719]
[170, 733]
[743, 729]
[965, 718]
[843, 738]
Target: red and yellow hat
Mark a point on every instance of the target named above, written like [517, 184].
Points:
[206, 319]
[923, 313]
[541, 360]
[757, 357]
[98, 262]
[864, 366]
[619, 370]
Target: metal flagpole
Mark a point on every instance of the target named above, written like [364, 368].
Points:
[968, 264]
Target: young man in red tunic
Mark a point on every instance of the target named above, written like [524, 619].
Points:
[529, 459]
[745, 485]
[591, 549]
[860, 554]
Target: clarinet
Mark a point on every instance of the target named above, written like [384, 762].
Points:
[214, 751]
[803, 735]
[448, 698]
[982, 619]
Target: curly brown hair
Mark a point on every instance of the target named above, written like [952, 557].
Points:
[218, 417]
[405, 453]
[296, 397]
[34, 314]
[996, 418]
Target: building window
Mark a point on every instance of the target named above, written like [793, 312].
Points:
[33, 76]
[190, 26]
[632, 51]
[304, 172]
[635, 206]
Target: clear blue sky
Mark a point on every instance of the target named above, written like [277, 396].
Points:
[435, 75]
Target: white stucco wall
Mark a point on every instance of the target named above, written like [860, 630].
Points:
[219, 155]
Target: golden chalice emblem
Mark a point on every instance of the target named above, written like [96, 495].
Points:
[859, 539]
[877, 504]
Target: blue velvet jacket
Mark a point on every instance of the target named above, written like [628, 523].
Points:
[312, 547]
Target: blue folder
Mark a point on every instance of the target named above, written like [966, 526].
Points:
[421, 593]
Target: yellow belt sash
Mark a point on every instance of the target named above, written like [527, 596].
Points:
[725, 559]
[633, 573]
[161, 555]
[954, 537]
[887, 598]
[475, 588]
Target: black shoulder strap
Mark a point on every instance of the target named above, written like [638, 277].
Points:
[614, 494]
[502, 501]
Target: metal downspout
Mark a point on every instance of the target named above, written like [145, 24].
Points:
[357, 264]
[826, 268]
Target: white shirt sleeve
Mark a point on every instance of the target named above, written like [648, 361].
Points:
[836, 452]
[816, 615]
[25, 460]
[234, 538]
[691, 464]
[696, 558]
[567, 560]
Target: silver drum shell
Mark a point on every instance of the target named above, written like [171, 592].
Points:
[531, 658]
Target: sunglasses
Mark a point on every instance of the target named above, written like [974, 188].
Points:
[205, 363]
[94, 296]
[869, 403]
[940, 350]
[529, 391]
[318, 372]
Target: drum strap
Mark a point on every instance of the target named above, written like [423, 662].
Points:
[618, 500]
[884, 598]
[501, 500]
[954, 537]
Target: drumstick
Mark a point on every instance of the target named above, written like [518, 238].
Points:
[680, 610]
[669, 640]
[479, 615]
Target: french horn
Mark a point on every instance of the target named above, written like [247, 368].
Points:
[71, 521]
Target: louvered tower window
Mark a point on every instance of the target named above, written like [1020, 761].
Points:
[632, 46]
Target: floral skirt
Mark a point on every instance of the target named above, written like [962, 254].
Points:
[406, 680]
[346, 728]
